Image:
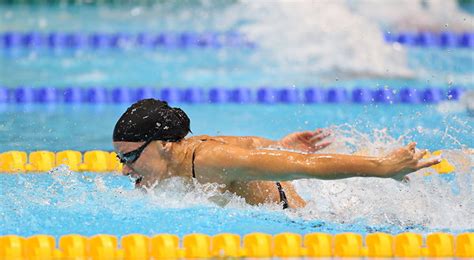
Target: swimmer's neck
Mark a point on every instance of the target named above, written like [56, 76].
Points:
[178, 155]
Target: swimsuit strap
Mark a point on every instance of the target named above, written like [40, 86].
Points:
[282, 195]
[194, 156]
[192, 163]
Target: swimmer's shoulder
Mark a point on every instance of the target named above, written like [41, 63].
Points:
[230, 140]
[240, 141]
[205, 138]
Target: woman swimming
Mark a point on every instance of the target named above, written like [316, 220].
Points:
[149, 139]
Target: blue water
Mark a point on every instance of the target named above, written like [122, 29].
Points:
[88, 127]
[61, 202]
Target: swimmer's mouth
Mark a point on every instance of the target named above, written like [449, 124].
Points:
[138, 180]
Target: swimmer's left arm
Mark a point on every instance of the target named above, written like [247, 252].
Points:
[305, 141]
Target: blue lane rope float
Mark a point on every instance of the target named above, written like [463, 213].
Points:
[119, 40]
[76, 40]
[430, 39]
[238, 95]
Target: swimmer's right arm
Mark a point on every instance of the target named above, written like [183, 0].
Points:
[232, 163]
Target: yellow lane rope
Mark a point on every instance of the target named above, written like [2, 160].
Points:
[44, 161]
[137, 246]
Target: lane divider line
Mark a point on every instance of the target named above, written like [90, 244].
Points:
[138, 246]
[239, 95]
[180, 40]
[122, 40]
[430, 39]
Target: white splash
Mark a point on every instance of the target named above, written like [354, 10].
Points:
[415, 15]
[322, 37]
[428, 201]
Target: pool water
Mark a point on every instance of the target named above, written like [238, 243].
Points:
[87, 127]
[354, 54]
[62, 202]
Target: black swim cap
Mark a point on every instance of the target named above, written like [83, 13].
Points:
[151, 119]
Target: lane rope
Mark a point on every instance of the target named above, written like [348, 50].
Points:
[432, 39]
[180, 40]
[137, 246]
[239, 95]
[122, 40]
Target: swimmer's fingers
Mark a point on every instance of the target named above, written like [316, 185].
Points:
[317, 131]
[412, 147]
[305, 138]
[419, 155]
[306, 134]
[320, 136]
[321, 146]
[427, 163]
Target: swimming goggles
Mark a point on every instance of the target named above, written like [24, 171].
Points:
[132, 156]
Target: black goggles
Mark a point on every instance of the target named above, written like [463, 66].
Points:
[132, 156]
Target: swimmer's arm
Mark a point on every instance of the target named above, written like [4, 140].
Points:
[305, 141]
[253, 142]
[249, 142]
[232, 163]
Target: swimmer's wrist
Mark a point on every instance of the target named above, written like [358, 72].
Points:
[373, 167]
[386, 168]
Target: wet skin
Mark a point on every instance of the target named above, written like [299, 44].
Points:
[245, 168]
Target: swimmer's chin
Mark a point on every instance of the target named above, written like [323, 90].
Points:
[141, 183]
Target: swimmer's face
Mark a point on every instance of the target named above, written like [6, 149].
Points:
[148, 167]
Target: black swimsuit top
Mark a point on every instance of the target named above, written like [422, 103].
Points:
[283, 198]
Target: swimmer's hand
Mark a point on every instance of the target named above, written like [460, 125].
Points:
[405, 160]
[306, 141]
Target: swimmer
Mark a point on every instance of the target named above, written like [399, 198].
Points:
[149, 139]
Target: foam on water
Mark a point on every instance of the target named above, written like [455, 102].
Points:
[344, 39]
[434, 202]
[415, 15]
[323, 38]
